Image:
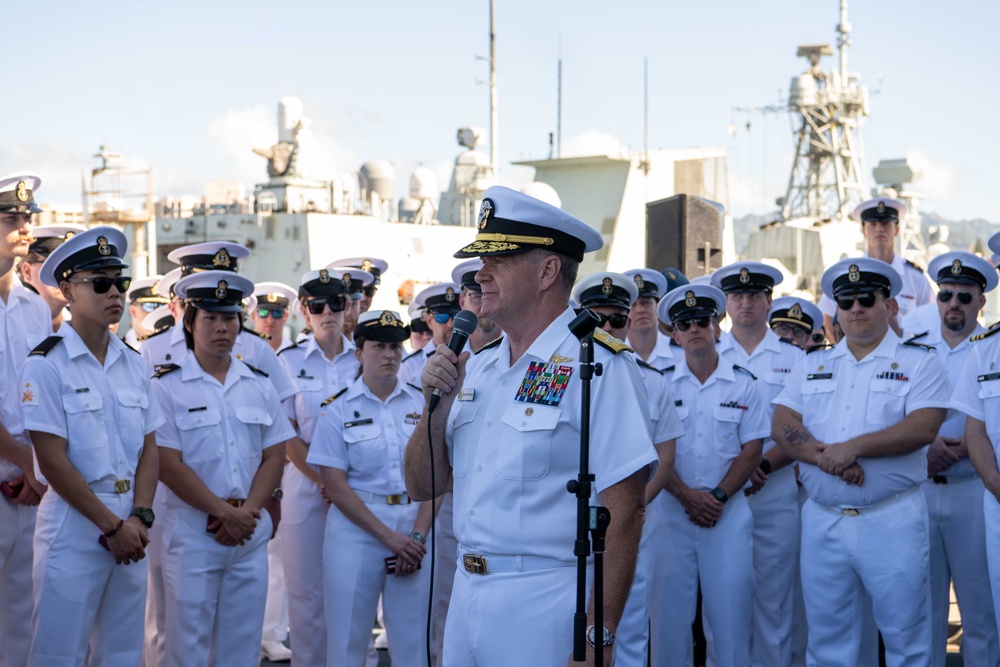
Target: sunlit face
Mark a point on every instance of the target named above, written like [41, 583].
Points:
[505, 281]
[214, 333]
[799, 335]
[15, 235]
[955, 315]
[880, 235]
[379, 359]
[748, 309]
[327, 324]
[52, 295]
[642, 317]
[269, 321]
[865, 325]
[697, 338]
[440, 331]
[89, 306]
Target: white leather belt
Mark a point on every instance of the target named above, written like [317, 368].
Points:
[855, 511]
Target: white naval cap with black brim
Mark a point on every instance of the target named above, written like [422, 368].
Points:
[324, 282]
[17, 193]
[465, 274]
[372, 265]
[746, 277]
[649, 282]
[440, 298]
[511, 222]
[96, 248]
[355, 280]
[964, 268]
[274, 295]
[383, 326]
[793, 310]
[214, 291]
[859, 276]
[879, 209]
[689, 302]
[606, 289]
[209, 256]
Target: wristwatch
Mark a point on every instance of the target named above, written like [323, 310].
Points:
[720, 494]
[766, 466]
[418, 536]
[145, 515]
[609, 637]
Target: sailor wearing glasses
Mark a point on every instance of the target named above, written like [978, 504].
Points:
[142, 299]
[610, 296]
[773, 496]
[320, 366]
[359, 282]
[89, 407]
[269, 317]
[706, 533]
[798, 320]
[373, 265]
[954, 490]
[858, 417]
[440, 303]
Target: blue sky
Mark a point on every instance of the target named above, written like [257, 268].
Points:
[191, 87]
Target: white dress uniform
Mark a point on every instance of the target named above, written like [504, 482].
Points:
[214, 594]
[958, 534]
[977, 394]
[304, 511]
[775, 510]
[871, 538]
[24, 322]
[104, 412]
[719, 417]
[513, 441]
[366, 437]
[916, 291]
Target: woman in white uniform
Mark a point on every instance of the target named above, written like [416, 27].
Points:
[221, 456]
[375, 535]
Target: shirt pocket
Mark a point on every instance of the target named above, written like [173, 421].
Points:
[887, 402]
[201, 434]
[85, 420]
[254, 422]
[133, 405]
[527, 442]
[365, 446]
[817, 400]
[461, 453]
[728, 422]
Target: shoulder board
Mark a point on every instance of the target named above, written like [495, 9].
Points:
[286, 349]
[787, 340]
[919, 335]
[643, 364]
[669, 369]
[911, 343]
[819, 347]
[995, 327]
[130, 347]
[737, 367]
[45, 346]
[912, 265]
[410, 384]
[491, 345]
[332, 398]
[610, 342]
[155, 333]
[412, 355]
[256, 370]
[164, 369]
[258, 334]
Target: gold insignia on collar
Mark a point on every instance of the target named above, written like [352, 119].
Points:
[449, 295]
[607, 287]
[324, 276]
[689, 299]
[853, 274]
[956, 267]
[795, 312]
[102, 246]
[389, 320]
[272, 297]
[22, 191]
[485, 212]
[222, 290]
[222, 259]
[744, 276]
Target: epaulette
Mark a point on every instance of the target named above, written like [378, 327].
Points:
[46, 346]
[737, 367]
[332, 398]
[986, 334]
[131, 348]
[256, 370]
[610, 342]
[258, 334]
[915, 266]
[669, 369]
[411, 355]
[163, 369]
[911, 343]
[919, 335]
[490, 346]
[819, 347]
[786, 340]
[645, 365]
[286, 349]
[154, 334]
[410, 384]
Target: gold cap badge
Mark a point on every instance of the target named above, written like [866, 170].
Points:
[795, 312]
[881, 207]
[639, 282]
[485, 211]
[689, 299]
[606, 287]
[744, 276]
[853, 274]
[222, 290]
[366, 265]
[346, 280]
[221, 259]
[389, 320]
[324, 276]
[449, 295]
[102, 246]
[22, 191]
[272, 297]
[956, 267]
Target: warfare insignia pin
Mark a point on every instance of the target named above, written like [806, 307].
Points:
[854, 275]
[22, 191]
[222, 290]
[222, 259]
[744, 276]
[102, 246]
[689, 299]
[606, 287]
[956, 267]
[485, 211]
[449, 295]
[324, 276]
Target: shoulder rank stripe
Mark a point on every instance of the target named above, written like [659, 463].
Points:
[989, 332]
[46, 346]
[490, 345]
[256, 370]
[332, 398]
[286, 349]
[912, 343]
[610, 342]
[163, 369]
[915, 266]
[410, 384]
[825, 346]
[737, 367]
[143, 339]
[643, 364]
[258, 334]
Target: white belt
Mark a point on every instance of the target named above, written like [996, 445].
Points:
[855, 511]
[392, 499]
[118, 486]
[954, 479]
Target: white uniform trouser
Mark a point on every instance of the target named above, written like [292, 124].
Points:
[354, 575]
[800, 629]
[303, 521]
[154, 648]
[884, 552]
[82, 598]
[489, 624]
[958, 553]
[776, 528]
[632, 634]
[214, 594]
[445, 548]
[17, 530]
[721, 559]
[276, 607]
[991, 512]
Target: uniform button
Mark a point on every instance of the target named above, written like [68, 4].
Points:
[472, 512]
[503, 384]
[524, 423]
[479, 468]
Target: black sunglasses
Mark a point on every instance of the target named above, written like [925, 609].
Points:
[370, 291]
[103, 283]
[276, 313]
[700, 322]
[336, 304]
[866, 300]
[964, 298]
[617, 320]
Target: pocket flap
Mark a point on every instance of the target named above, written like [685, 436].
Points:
[531, 417]
[191, 420]
[82, 402]
[252, 415]
[732, 415]
[133, 399]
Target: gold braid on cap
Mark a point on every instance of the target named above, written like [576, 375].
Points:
[515, 238]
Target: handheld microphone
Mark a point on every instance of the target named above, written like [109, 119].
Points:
[465, 323]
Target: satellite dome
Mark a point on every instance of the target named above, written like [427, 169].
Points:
[423, 184]
[378, 176]
[542, 191]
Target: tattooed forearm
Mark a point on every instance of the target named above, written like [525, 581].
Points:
[795, 436]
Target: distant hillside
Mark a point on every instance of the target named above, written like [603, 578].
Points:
[962, 234]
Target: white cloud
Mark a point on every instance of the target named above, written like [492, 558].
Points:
[59, 166]
[939, 183]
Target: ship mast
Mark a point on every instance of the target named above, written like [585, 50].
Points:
[494, 123]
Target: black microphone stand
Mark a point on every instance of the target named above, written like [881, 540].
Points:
[595, 519]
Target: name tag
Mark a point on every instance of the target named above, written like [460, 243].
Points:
[358, 422]
[83, 390]
[988, 377]
[544, 384]
[466, 394]
[819, 376]
[204, 407]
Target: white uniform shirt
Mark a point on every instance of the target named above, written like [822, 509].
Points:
[511, 458]
[367, 437]
[917, 289]
[412, 365]
[719, 417]
[772, 361]
[103, 412]
[977, 391]
[168, 347]
[953, 361]
[662, 413]
[24, 323]
[316, 379]
[840, 398]
[662, 355]
[220, 430]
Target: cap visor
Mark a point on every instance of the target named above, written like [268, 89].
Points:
[488, 248]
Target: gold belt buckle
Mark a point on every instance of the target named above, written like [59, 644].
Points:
[394, 499]
[474, 564]
[123, 485]
[851, 511]
[235, 502]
